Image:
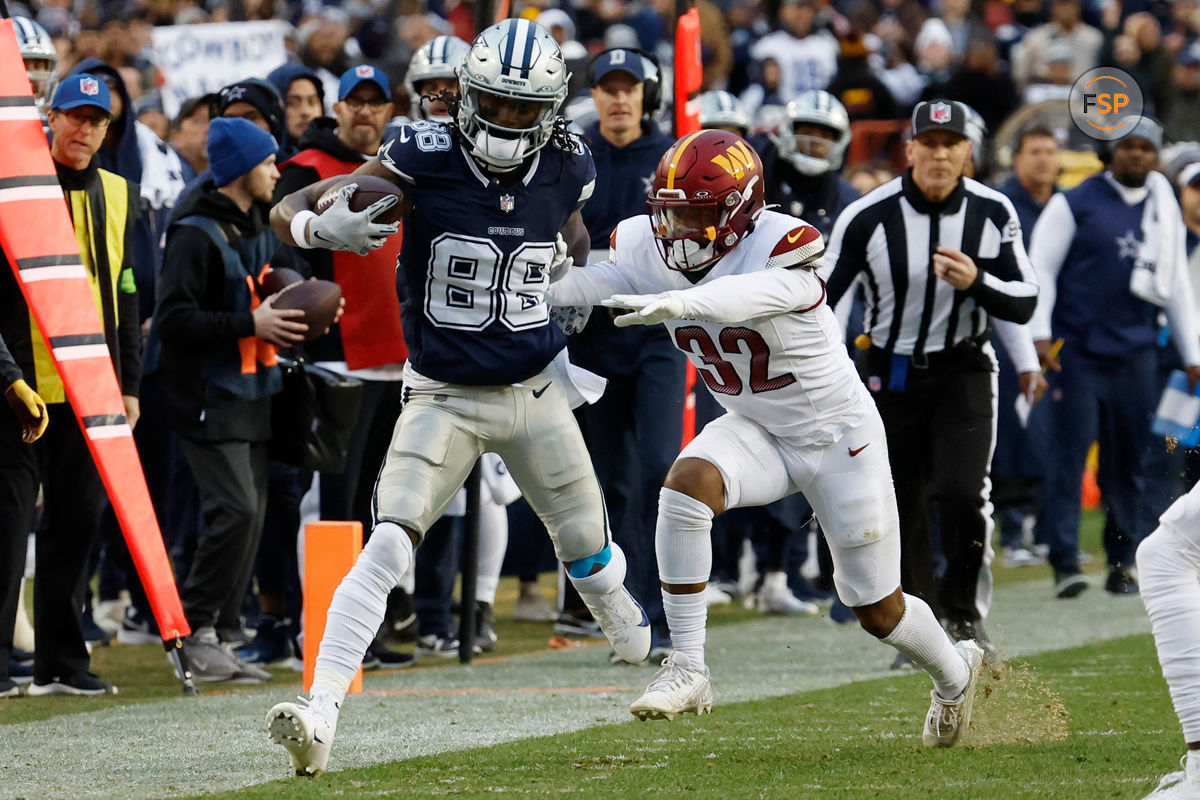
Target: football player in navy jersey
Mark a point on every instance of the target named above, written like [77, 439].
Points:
[494, 211]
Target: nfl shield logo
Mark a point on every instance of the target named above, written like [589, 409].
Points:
[507, 203]
[364, 71]
[874, 384]
[90, 86]
[940, 113]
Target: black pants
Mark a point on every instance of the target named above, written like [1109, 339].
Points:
[940, 431]
[232, 477]
[437, 565]
[73, 497]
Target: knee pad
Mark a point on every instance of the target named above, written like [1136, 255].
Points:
[579, 537]
[400, 505]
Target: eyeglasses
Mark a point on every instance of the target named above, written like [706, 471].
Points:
[356, 103]
[78, 116]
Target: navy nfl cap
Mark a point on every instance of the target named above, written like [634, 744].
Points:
[940, 115]
[618, 61]
[363, 73]
[82, 89]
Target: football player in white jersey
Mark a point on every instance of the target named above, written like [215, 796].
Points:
[1168, 563]
[735, 284]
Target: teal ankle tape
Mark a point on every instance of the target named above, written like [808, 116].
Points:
[583, 567]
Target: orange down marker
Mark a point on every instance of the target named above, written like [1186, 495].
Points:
[330, 550]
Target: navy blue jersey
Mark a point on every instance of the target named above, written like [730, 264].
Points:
[476, 259]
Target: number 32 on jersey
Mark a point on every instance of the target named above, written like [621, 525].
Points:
[719, 372]
[471, 283]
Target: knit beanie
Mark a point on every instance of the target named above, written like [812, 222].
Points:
[236, 146]
[257, 93]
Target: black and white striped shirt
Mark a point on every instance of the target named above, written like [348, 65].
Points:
[886, 240]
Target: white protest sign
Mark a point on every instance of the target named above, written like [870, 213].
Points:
[196, 59]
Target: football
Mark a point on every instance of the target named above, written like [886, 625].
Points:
[318, 300]
[276, 280]
[369, 190]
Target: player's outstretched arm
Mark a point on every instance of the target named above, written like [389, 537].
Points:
[339, 228]
[732, 298]
[590, 286]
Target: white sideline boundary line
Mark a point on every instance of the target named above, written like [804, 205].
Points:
[217, 742]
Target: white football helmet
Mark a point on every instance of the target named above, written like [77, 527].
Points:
[514, 73]
[723, 110]
[41, 59]
[814, 107]
[440, 57]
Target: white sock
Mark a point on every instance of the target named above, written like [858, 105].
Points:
[608, 579]
[358, 608]
[687, 617]
[1193, 764]
[1171, 591]
[330, 682]
[918, 636]
[493, 541]
[683, 538]
[683, 546]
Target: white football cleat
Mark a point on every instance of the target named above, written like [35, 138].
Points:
[623, 621]
[715, 597]
[677, 688]
[776, 598]
[1177, 786]
[306, 729]
[948, 720]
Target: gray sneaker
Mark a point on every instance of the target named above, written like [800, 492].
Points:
[208, 661]
[248, 673]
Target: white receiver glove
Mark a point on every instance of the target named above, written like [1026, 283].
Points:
[648, 309]
[561, 262]
[339, 228]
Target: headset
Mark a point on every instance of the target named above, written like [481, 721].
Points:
[651, 86]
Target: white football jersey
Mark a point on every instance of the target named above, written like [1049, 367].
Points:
[787, 371]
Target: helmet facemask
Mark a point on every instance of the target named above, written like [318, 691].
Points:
[40, 57]
[43, 77]
[692, 233]
[504, 129]
[812, 153]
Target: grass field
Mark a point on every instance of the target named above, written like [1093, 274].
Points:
[804, 709]
[1091, 722]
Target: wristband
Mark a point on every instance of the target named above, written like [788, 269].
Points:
[299, 228]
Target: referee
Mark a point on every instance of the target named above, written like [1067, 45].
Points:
[937, 253]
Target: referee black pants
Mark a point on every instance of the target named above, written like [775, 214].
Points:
[941, 432]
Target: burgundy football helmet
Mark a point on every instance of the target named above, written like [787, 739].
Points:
[707, 192]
